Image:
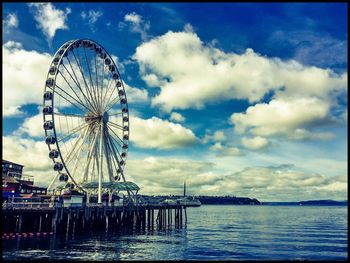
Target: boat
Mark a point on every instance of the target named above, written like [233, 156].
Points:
[189, 201]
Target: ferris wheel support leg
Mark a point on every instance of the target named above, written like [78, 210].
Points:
[54, 179]
[100, 170]
[89, 158]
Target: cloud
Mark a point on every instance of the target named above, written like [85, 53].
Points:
[92, 16]
[160, 134]
[33, 126]
[255, 143]
[135, 95]
[281, 117]
[49, 18]
[284, 182]
[120, 65]
[137, 24]
[157, 175]
[11, 21]
[225, 150]
[24, 74]
[175, 116]
[191, 74]
[32, 154]
[161, 175]
[218, 136]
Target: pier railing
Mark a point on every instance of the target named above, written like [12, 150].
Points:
[27, 205]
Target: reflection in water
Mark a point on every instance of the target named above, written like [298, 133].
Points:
[99, 246]
[213, 233]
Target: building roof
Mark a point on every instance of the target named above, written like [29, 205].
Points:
[4, 161]
[120, 186]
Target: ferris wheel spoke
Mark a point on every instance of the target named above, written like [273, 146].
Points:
[93, 145]
[70, 115]
[91, 82]
[115, 155]
[108, 156]
[78, 160]
[122, 142]
[110, 97]
[78, 83]
[73, 131]
[113, 160]
[113, 145]
[75, 80]
[114, 152]
[111, 104]
[116, 125]
[81, 102]
[81, 138]
[107, 89]
[115, 114]
[96, 74]
[82, 74]
[71, 98]
[102, 81]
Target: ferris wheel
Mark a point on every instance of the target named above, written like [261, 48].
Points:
[86, 117]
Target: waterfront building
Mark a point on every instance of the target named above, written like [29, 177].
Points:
[15, 184]
[12, 169]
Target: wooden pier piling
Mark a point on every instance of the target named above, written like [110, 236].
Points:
[75, 220]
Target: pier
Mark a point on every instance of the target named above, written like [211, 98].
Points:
[38, 218]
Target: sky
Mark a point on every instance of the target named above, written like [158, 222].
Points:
[244, 99]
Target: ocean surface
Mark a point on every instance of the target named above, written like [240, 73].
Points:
[213, 233]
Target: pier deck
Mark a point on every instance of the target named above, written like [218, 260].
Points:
[44, 217]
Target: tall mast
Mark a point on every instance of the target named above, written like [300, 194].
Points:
[184, 188]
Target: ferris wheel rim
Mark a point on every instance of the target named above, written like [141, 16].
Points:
[61, 53]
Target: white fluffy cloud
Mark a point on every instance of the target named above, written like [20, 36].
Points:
[135, 95]
[175, 116]
[32, 154]
[92, 16]
[157, 175]
[160, 175]
[49, 18]
[289, 118]
[160, 134]
[137, 24]
[24, 74]
[285, 182]
[191, 73]
[255, 143]
[11, 21]
[33, 126]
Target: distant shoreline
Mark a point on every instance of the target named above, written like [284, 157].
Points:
[282, 204]
[310, 203]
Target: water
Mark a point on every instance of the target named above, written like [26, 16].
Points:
[212, 233]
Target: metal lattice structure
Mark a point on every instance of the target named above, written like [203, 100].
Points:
[86, 118]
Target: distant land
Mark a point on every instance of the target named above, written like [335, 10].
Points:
[212, 200]
[309, 202]
[234, 200]
[227, 200]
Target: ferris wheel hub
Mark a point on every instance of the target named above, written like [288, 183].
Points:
[105, 117]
